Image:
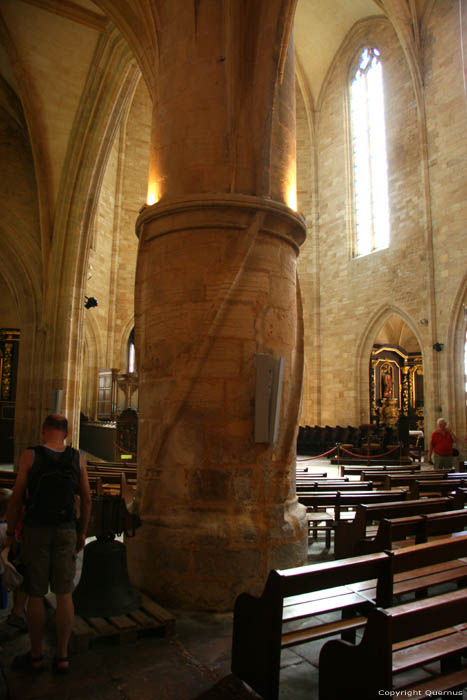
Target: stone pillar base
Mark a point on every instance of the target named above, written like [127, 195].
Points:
[205, 566]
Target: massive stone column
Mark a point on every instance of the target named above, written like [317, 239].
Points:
[216, 285]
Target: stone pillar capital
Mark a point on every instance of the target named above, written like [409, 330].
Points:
[229, 210]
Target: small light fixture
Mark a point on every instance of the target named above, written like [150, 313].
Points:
[438, 347]
[423, 321]
[90, 302]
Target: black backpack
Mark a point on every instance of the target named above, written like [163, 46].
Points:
[53, 481]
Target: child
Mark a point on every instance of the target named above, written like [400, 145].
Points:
[16, 616]
[4, 498]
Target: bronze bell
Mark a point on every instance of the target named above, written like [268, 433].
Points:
[104, 589]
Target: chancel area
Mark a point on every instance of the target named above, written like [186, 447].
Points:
[233, 254]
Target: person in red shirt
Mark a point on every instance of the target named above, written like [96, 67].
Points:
[441, 444]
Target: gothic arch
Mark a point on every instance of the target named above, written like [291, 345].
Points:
[456, 389]
[363, 353]
[90, 144]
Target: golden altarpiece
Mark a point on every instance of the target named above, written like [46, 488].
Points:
[9, 350]
[396, 387]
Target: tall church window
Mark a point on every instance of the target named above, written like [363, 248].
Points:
[131, 357]
[370, 170]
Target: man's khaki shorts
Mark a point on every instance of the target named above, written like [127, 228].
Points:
[49, 556]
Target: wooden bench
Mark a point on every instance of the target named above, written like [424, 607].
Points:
[353, 470]
[350, 535]
[390, 480]
[395, 640]
[342, 487]
[102, 483]
[441, 524]
[102, 468]
[319, 503]
[418, 568]
[435, 486]
[7, 479]
[288, 611]
[291, 599]
[302, 483]
[315, 475]
[112, 465]
[394, 533]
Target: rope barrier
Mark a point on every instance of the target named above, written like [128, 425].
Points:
[363, 456]
[307, 459]
[128, 452]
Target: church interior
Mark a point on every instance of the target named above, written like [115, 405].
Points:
[233, 236]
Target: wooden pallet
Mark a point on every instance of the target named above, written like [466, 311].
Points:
[150, 619]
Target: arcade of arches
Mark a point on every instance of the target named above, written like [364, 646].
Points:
[221, 132]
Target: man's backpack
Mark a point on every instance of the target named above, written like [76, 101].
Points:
[53, 482]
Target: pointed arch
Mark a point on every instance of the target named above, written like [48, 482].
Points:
[113, 77]
[456, 369]
[363, 352]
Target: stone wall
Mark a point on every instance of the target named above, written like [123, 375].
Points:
[356, 295]
[446, 111]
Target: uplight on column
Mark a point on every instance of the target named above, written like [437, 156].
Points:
[153, 193]
[291, 192]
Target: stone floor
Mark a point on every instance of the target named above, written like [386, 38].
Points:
[194, 664]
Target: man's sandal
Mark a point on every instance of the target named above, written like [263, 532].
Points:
[59, 667]
[26, 662]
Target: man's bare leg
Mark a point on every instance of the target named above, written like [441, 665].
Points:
[36, 625]
[64, 623]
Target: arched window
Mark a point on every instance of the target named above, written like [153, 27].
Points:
[370, 171]
[131, 359]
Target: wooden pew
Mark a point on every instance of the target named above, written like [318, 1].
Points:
[7, 479]
[441, 524]
[393, 533]
[289, 598]
[102, 468]
[432, 486]
[342, 487]
[391, 480]
[395, 640]
[310, 480]
[310, 472]
[302, 485]
[398, 478]
[419, 567]
[112, 465]
[349, 535]
[288, 611]
[354, 470]
[319, 503]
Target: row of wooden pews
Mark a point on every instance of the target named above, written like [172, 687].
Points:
[290, 610]
[390, 544]
[104, 477]
[111, 478]
[329, 500]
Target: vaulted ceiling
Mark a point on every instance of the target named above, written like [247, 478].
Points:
[49, 46]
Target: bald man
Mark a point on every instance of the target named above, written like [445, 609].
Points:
[50, 476]
[441, 445]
